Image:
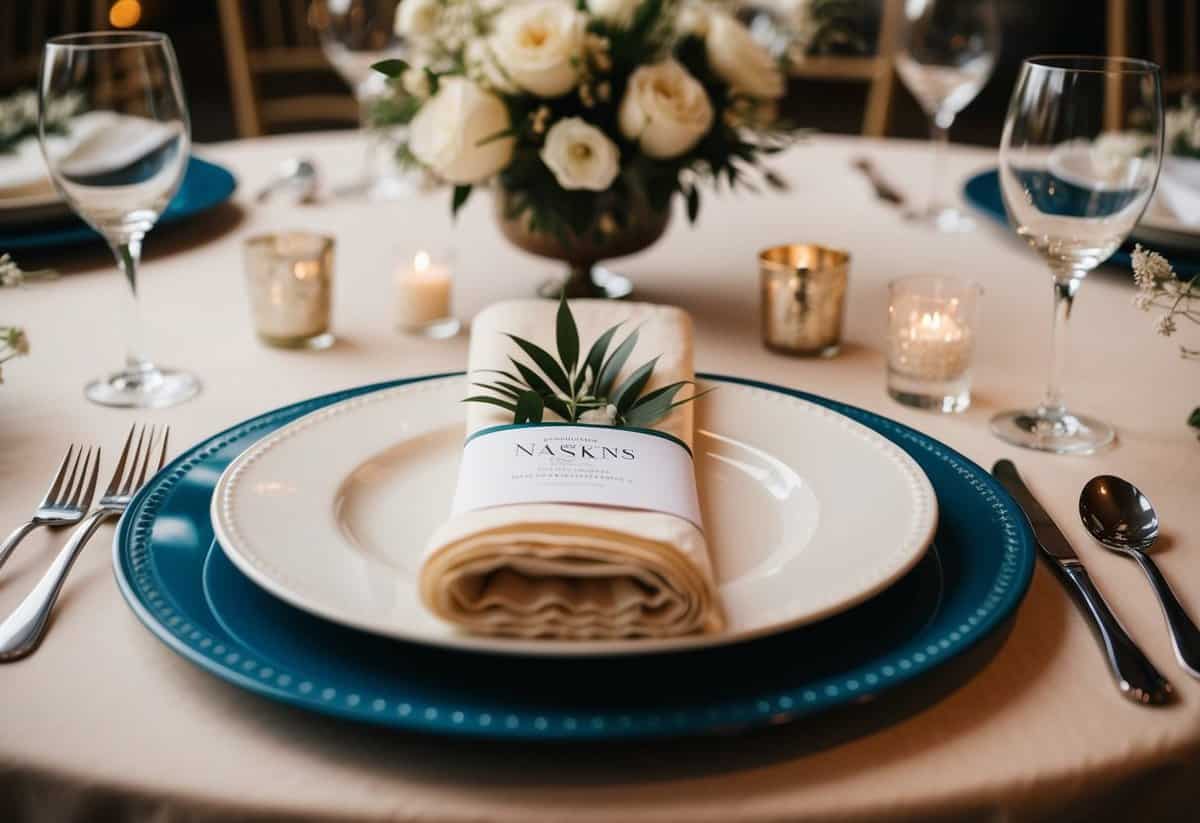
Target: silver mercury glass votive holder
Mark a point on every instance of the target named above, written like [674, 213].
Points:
[931, 340]
[289, 277]
[803, 298]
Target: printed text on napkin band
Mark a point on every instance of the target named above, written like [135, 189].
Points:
[587, 465]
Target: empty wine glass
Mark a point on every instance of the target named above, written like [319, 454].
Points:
[118, 168]
[1079, 160]
[947, 53]
[354, 35]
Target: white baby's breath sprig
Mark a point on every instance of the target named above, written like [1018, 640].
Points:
[1159, 287]
[13, 275]
[13, 343]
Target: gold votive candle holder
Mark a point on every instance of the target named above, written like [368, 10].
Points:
[803, 298]
[289, 278]
[931, 341]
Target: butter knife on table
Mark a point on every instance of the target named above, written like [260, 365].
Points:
[1136, 676]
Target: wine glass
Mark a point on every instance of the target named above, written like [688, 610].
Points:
[1079, 160]
[120, 172]
[947, 53]
[354, 35]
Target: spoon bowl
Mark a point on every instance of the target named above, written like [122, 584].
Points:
[1117, 514]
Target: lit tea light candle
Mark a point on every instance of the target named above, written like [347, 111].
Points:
[930, 342]
[423, 290]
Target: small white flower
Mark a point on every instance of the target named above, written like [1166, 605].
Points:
[617, 12]
[580, 155]
[1165, 326]
[1143, 301]
[1150, 267]
[416, 83]
[18, 341]
[606, 416]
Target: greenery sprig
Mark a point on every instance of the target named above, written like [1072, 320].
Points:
[581, 390]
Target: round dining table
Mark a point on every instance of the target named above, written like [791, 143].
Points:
[104, 722]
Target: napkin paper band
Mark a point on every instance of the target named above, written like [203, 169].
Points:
[566, 463]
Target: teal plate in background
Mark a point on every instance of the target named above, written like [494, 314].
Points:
[180, 584]
[205, 185]
[983, 192]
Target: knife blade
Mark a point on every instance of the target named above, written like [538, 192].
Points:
[1136, 676]
[1050, 539]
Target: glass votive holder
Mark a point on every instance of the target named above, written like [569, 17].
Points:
[803, 298]
[424, 284]
[289, 277]
[931, 339]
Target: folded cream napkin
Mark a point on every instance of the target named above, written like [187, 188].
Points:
[571, 571]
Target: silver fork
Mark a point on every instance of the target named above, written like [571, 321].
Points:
[22, 630]
[64, 502]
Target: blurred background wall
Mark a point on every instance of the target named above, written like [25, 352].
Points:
[1042, 26]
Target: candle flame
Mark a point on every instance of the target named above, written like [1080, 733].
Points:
[421, 262]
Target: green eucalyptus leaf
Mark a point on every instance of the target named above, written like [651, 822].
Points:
[501, 388]
[535, 382]
[693, 204]
[544, 361]
[668, 391]
[392, 68]
[595, 355]
[529, 408]
[613, 365]
[627, 393]
[461, 195]
[506, 375]
[567, 336]
[492, 401]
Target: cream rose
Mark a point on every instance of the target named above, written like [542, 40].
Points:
[450, 130]
[539, 45]
[617, 12]
[580, 155]
[740, 60]
[665, 110]
[482, 67]
[417, 18]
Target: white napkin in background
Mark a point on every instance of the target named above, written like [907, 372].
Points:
[1179, 188]
[571, 571]
[97, 142]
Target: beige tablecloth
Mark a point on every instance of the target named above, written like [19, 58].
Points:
[105, 720]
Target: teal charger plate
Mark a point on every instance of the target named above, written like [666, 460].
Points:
[205, 185]
[182, 587]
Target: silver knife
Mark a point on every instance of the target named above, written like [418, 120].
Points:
[1136, 676]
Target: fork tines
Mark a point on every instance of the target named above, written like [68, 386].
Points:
[78, 472]
[127, 481]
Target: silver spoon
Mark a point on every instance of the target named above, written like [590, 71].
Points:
[1119, 516]
[296, 173]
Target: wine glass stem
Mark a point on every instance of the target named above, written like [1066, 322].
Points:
[128, 251]
[1066, 285]
[939, 134]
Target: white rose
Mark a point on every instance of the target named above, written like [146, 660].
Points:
[539, 45]
[617, 12]
[740, 60]
[665, 110]
[693, 19]
[580, 155]
[417, 18]
[450, 130]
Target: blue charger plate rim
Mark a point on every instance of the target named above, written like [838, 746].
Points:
[135, 574]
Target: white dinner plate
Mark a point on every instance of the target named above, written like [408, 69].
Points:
[1160, 226]
[807, 513]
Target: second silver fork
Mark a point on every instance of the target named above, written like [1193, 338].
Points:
[22, 630]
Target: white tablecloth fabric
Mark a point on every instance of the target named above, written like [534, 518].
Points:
[105, 721]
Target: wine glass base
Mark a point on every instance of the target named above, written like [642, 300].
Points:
[945, 219]
[1062, 434]
[143, 389]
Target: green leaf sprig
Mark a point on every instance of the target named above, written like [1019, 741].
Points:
[580, 390]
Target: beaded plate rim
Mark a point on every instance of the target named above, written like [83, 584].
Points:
[139, 583]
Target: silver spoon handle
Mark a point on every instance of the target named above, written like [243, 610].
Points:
[22, 630]
[1185, 637]
[10, 542]
[1136, 676]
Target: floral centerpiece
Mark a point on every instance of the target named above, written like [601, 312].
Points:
[587, 117]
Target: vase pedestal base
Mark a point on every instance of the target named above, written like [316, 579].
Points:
[588, 281]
